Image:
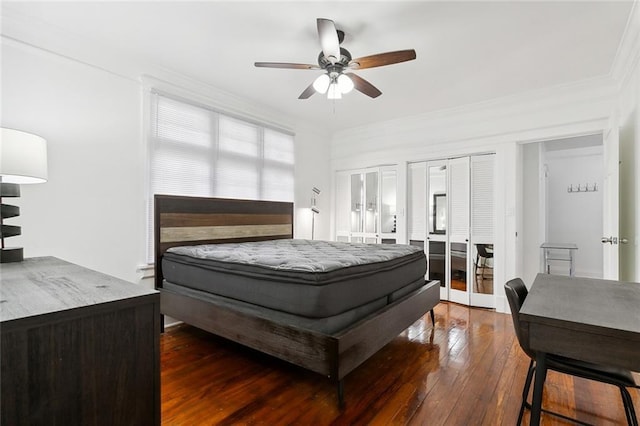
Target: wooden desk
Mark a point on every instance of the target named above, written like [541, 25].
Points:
[587, 319]
[78, 347]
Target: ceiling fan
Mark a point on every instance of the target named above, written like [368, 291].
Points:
[336, 61]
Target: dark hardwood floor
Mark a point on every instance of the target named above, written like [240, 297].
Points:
[468, 370]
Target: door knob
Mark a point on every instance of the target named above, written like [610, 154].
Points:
[624, 241]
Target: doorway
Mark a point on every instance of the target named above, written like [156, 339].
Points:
[562, 203]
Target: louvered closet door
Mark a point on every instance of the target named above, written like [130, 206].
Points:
[459, 230]
[482, 230]
[417, 203]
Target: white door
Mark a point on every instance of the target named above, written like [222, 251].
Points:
[436, 245]
[417, 207]
[388, 205]
[628, 200]
[417, 203]
[482, 235]
[610, 199]
[459, 270]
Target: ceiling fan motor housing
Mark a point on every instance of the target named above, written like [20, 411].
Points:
[345, 58]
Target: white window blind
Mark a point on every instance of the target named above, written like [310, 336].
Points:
[198, 151]
[277, 166]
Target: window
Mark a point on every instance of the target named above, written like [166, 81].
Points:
[198, 151]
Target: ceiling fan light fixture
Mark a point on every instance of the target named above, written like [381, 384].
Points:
[345, 83]
[335, 60]
[334, 91]
[321, 84]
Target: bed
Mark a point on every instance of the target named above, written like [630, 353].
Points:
[232, 268]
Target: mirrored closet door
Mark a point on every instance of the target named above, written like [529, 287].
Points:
[366, 203]
[450, 214]
[437, 221]
[482, 230]
[459, 230]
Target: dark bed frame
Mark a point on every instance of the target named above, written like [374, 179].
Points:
[183, 220]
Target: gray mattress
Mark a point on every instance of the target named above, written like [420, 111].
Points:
[314, 279]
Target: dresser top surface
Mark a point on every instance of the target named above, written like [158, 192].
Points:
[42, 285]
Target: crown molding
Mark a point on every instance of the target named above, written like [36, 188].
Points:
[626, 67]
[561, 110]
[628, 53]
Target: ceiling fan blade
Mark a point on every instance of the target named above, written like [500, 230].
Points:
[329, 39]
[307, 92]
[286, 65]
[362, 85]
[381, 59]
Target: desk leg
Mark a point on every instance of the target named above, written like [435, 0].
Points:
[547, 267]
[571, 272]
[538, 386]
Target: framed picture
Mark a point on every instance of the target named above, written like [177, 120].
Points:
[439, 213]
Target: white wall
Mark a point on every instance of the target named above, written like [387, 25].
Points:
[92, 209]
[576, 217]
[312, 170]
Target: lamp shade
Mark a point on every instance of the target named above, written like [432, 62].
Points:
[23, 157]
[345, 83]
[321, 84]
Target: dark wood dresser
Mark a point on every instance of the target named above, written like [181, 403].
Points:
[77, 347]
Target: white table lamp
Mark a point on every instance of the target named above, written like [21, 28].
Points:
[23, 160]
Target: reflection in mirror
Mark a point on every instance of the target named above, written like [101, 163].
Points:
[437, 261]
[417, 243]
[388, 205]
[371, 212]
[437, 199]
[483, 269]
[439, 214]
[356, 203]
[459, 266]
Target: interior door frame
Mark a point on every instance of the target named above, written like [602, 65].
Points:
[610, 198]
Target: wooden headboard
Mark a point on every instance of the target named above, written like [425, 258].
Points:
[180, 221]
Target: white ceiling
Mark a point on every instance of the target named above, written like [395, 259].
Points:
[467, 52]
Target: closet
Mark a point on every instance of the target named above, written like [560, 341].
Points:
[366, 202]
[450, 215]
